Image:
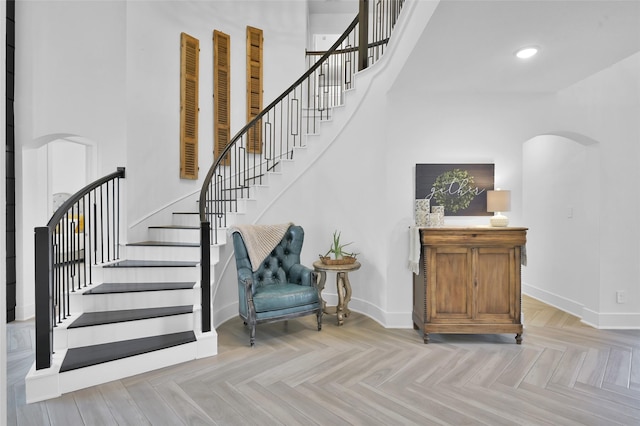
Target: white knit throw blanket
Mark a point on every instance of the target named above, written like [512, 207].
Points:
[414, 249]
[260, 240]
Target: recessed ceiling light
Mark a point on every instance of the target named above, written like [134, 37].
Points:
[526, 52]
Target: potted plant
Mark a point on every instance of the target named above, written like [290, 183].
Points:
[336, 254]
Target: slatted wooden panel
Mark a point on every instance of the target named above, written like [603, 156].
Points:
[221, 92]
[189, 65]
[255, 43]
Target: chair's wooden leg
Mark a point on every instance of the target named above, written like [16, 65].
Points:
[319, 315]
[252, 336]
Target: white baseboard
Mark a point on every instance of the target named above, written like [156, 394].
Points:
[224, 314]
[385, 319]
[611, 320]
[567, 305]
[25, 312]
[600, 320]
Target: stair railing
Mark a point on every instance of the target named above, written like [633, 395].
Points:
[274, 134]
[84, 231]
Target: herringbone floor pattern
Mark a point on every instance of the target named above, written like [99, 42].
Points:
[564, 373]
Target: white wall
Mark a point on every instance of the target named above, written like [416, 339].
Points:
[153, 91]
[354, 187]
[604, 109]
[329, 23]
[71, 63]
[70, 174]
[447, 127]
[74, 70]
[561, 210]
[453, 128]
[107, 72]
[344, 191]
[363, 184]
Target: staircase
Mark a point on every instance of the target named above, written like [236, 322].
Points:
[143, 309]
[143, 314]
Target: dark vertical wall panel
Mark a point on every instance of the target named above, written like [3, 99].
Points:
[10, 164]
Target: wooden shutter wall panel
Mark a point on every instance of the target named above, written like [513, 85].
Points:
[255, 43]
[221, 92]
[189, 74]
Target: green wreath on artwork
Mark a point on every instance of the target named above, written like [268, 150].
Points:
[449, 190]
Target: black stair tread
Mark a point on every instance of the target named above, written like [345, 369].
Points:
[150, 264]
[88, 319]
[91, 355]
[109, 288]
[163, 244]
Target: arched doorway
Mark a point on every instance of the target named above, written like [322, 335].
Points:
[51, 164]
[560, 177]
[66, 163]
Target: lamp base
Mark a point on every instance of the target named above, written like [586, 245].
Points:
[499, 220]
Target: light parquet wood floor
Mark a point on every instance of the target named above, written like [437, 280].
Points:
[564, 373]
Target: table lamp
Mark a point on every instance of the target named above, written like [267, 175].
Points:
[499, 201]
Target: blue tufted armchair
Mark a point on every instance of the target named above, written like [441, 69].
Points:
[280, 288]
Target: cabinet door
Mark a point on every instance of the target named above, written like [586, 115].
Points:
[449, 284]
[494, 284]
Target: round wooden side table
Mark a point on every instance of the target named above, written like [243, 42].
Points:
[343, 287]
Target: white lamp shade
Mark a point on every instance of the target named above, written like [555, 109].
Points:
[498, 201]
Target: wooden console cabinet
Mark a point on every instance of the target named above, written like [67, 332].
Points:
[469, 281]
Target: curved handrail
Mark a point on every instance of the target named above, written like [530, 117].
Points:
[348, 50]
[272, 135]
[325, 82]
[66, 206]
[257, 118]
[83, 231]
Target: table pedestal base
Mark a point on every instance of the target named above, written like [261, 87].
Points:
[343, 287]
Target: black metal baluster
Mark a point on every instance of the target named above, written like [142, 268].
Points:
[95, 228]
[108, 222]
[118, 223]
[72, 250]
[87, 278]
[101, 227]
[63, 256]
[58, 272]
[321, 88]
[65, 266]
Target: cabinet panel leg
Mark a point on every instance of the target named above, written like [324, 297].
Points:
[519, 338]
[425, 338]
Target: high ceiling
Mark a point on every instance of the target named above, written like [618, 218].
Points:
[334, 6]
[469, 46]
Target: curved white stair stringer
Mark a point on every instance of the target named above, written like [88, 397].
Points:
[377, 78]
[226, 303]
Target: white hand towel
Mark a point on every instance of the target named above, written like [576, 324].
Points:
[414, 249]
